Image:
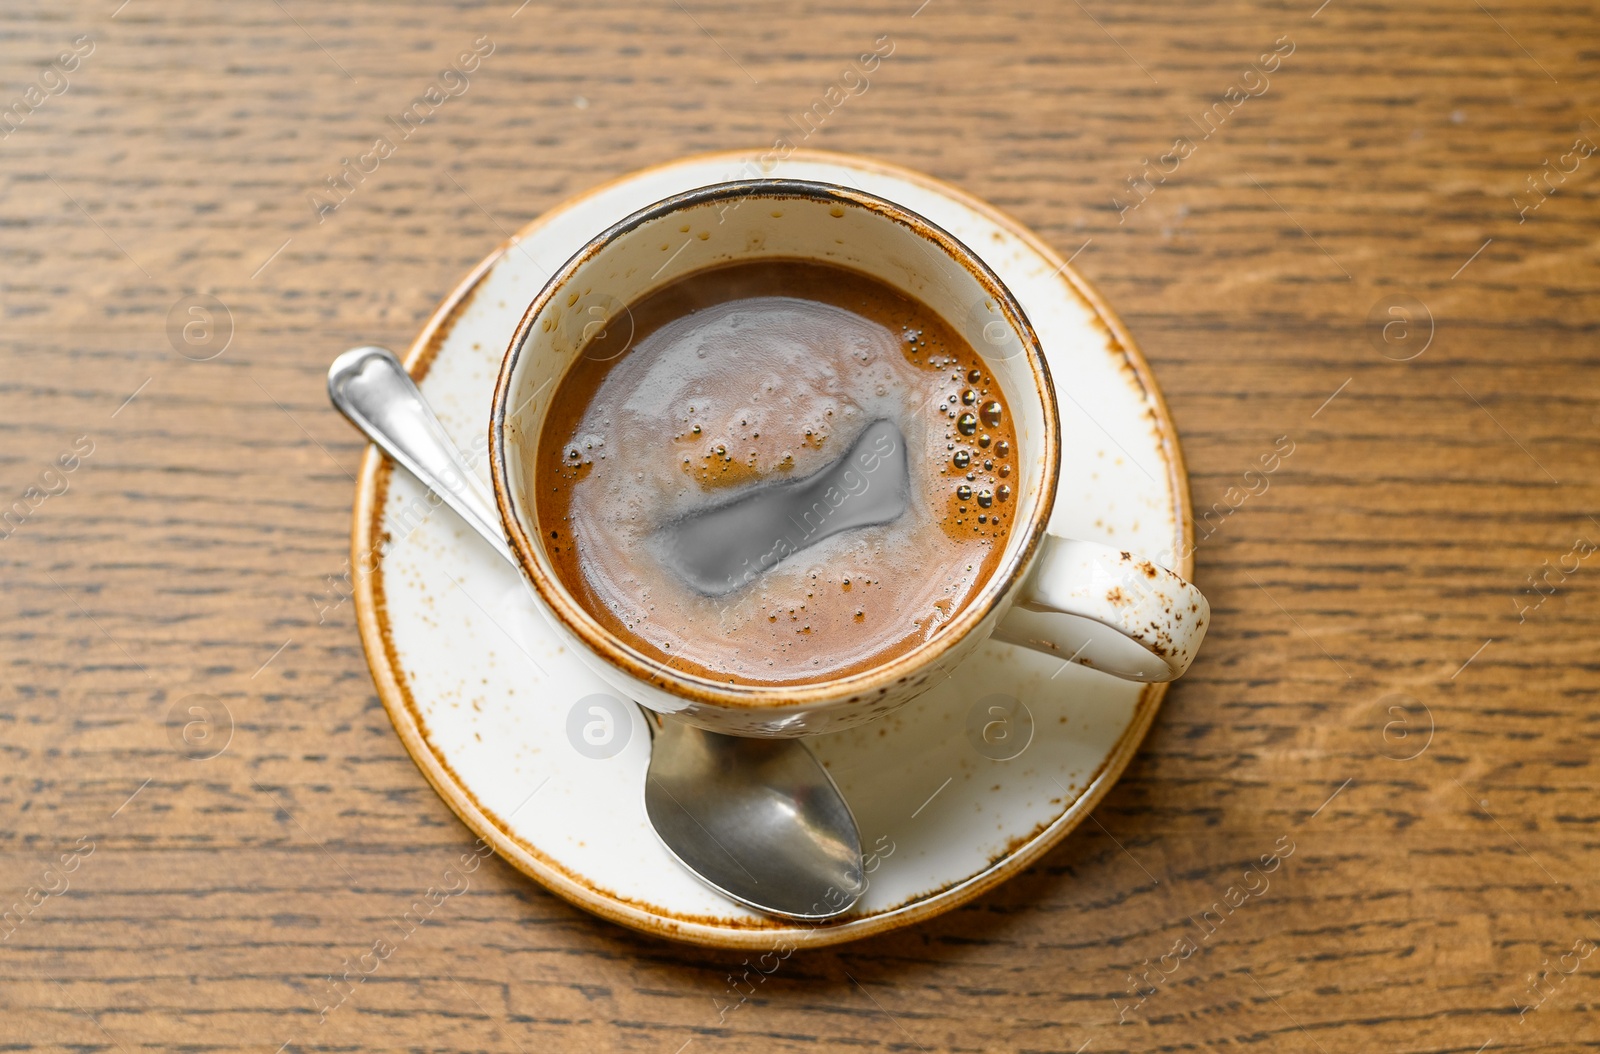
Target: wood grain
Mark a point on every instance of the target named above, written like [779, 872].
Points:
[1385, 566]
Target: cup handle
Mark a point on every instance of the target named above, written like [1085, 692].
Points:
[1107, 609]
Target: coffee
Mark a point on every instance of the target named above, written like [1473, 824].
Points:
[775, 473]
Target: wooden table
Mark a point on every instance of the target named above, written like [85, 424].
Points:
[1383, 688]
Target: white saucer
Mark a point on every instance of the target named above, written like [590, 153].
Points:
[481, 692]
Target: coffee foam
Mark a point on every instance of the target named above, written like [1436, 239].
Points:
[716, 401]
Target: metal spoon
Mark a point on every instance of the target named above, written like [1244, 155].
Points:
[758, 820]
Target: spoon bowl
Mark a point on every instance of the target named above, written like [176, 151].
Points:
[762, 817]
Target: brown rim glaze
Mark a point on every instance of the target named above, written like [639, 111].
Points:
[384, 661]
[832, 693]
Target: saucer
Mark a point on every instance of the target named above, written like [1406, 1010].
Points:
[953, 793]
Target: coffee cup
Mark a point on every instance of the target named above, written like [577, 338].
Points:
[1084, 602]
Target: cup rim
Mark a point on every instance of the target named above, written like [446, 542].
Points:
[859, 688]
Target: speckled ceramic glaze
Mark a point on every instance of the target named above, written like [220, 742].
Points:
[959, 788]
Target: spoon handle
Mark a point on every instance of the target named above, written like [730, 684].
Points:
[370, 387]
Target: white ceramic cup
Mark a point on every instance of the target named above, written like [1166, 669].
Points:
[1102, 607]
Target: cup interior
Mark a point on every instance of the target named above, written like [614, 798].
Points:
[762, 220]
